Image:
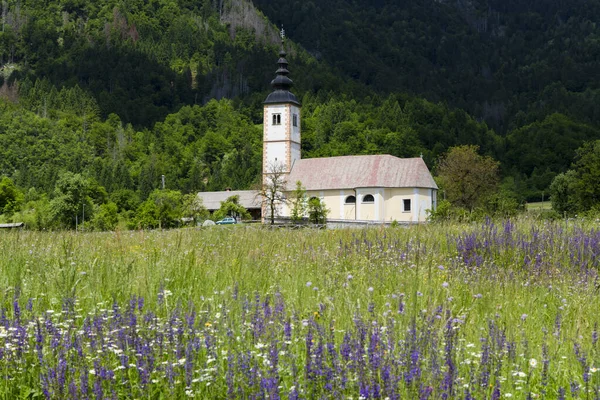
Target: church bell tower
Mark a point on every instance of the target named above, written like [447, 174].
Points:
[281, 123]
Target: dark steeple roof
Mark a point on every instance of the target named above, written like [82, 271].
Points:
[282, 84]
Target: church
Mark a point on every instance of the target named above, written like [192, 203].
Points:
[355, 189]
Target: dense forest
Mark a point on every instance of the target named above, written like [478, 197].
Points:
[123, 92]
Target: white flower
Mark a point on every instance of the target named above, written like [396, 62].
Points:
[533, 363]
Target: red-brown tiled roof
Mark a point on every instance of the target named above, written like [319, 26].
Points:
[350, 172]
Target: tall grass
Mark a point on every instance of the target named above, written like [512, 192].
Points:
[452, 311]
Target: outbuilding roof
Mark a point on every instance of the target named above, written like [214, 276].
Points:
[351, 172]
[249, 199]
[12, 225]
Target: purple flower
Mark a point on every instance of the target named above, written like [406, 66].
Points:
[523, 317]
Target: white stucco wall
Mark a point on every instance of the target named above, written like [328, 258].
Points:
[281, 142]
[387, 207]
[274, 132]
[295, 130]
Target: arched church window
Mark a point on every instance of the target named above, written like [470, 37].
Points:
[276, 119]
[295, 120]
[350, 200]
[368, 198]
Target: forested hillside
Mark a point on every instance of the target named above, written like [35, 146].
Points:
[508, 62]
[123, 92]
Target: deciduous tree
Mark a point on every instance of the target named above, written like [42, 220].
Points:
[578, 189]
[271, 192]
[317, 212]
[10, 196]
[71, 200]
[231, 208]
[298, 203]
[467, 177]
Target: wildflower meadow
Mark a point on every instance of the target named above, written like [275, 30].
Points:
[492, 310]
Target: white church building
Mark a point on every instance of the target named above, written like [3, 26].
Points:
[355, 189]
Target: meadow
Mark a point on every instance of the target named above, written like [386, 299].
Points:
[490, 310]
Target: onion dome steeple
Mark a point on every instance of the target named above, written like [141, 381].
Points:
[282, 84]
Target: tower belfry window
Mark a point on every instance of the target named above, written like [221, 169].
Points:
[295, 120]
[276, 119]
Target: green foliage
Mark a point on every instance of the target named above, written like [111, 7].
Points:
[35, 214]
[563, 193]
[162, 209]
[587, 169]
[11, 197]
[231, 208]
[125, 199]
[146, 216]
[505, 202]
[194, 208]
[443, 212]
[466, 177]
[543, 149]
[578, 190]
[71, 203]
[113, 90]
[317, 212]
[400, 125]
[105, 217]
[511, 63]
[298, 203]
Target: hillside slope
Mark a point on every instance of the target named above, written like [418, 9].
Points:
[508, 62]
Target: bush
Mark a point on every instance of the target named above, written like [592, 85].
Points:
[317, 212]
[106, 217]
[443, 212]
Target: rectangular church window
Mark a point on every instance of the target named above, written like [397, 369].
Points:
[295, 120]
[276, 119]
[406, 204]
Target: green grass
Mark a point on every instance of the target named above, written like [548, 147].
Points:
[334, 275]
[538, 206]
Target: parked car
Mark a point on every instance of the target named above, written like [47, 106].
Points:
[227, 221]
